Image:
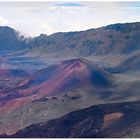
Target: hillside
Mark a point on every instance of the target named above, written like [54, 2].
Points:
[58, 79]
[112, 39]
[130, 64]
[11, 40]
[107, 120]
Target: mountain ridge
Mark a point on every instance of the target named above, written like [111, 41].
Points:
[112, 39]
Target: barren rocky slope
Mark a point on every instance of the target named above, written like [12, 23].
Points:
[107, 120]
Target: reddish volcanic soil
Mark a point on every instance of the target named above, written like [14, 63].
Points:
[60, 78]
[110, 118]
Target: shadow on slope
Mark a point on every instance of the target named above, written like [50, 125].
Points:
[106, 120]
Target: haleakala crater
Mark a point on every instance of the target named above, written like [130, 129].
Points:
[78, 84]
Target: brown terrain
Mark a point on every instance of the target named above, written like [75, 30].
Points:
[95, 73]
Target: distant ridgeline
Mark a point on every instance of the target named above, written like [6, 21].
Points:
[112, 39]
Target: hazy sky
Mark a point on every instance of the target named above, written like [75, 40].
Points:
[33, 18]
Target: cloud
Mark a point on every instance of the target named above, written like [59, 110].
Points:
[3, 21]
[68, 4]
[34, 18]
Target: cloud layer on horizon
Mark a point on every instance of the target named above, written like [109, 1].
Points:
[34, 18]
